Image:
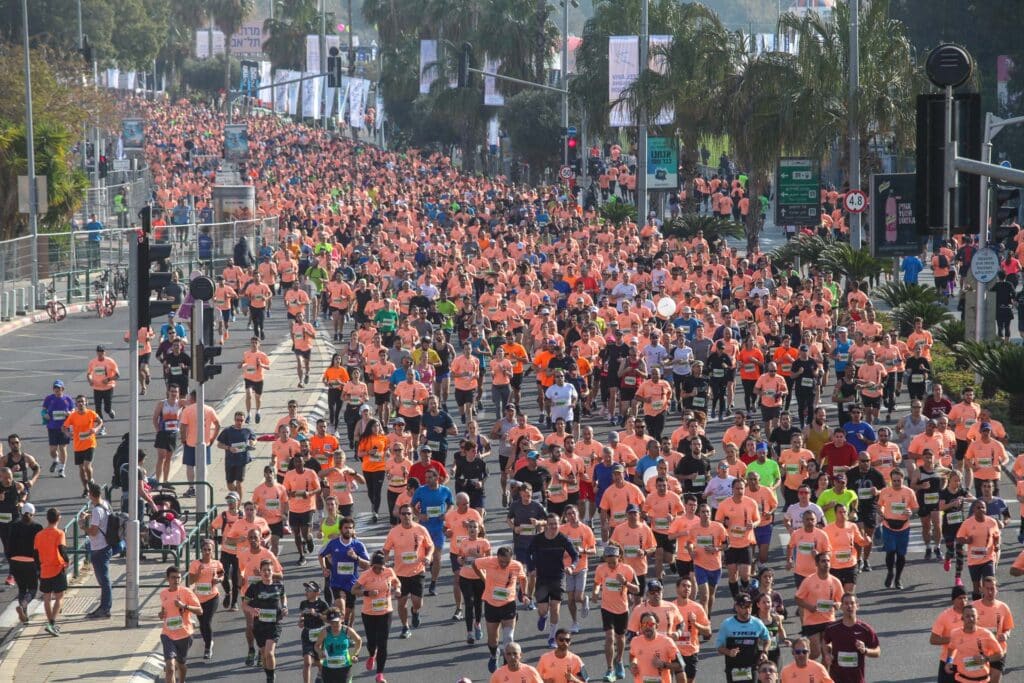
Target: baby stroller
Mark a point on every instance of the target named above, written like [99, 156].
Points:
[166, 530]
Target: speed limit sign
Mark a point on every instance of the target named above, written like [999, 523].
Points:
[856, 201]
[565, 172]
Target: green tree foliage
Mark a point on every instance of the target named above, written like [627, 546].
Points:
[293, 21]
[532, 118]
[228, 16]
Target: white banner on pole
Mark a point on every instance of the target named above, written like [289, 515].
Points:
[311, 97]
[280, 92]
[657, 63]
[493, 131]
[492, 97]
[357, 101]
[428, 57]
[293, 94]
[380, 110]
[112, 78]
[266, 82]
[623, 69]
[203, 43]
[313, 51]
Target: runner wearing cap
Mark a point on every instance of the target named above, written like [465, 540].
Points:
[614, 582]
[56, 407]
[742, 639]
[102, 375]
[312, 622]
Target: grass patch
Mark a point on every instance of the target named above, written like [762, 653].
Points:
[954, 379]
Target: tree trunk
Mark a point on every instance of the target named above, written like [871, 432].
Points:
[753, 224]
[227, 70]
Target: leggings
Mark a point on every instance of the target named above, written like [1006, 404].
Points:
[257, 316]
[789, 391]
[894, 561]
[955, 551]
[501, 396]
[231, 580]
[27, 579]
[392, 499]
[377, 628]
[655, 425]
[472, 599]
[805, 406]
[749, 399]
[718, 392]
[336, 675]
[374, 484]
[5, 539]
[677, 384]
[351, 418]
[206, 621]
[334, 406]
[101, 400]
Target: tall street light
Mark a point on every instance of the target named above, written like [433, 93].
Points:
[30, 145]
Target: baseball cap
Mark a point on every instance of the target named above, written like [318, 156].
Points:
[632, 507]
[58, 383]
[618, 467]
[654, 585]
[424, 448]
[28, 509]
[839, 476]
[804, 347]
[533, 455]
[301, 437]
[840, 329]
[397, 421]
[232, 496]
[100, 347]
[985, 426]
[743, 599]
[311, 587]
[761, 446]
[378, 558]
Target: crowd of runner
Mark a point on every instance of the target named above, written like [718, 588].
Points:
[484, 331]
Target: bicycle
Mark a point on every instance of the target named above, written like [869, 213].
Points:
[105, 299]
[120, 285]
[54, 309]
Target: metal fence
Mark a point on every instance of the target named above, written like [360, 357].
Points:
[70, 262]
[102, 202]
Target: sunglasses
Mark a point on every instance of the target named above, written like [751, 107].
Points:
[800, 652]
[565, 640]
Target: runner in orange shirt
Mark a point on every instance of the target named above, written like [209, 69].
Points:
[653, 656]
[466, 374]
[178, 605]
[803, 669]
[771, 390]
[82, 425]
[896, 502]
[303, 487]
[102, 375]
[871, 379]
[514, 670]
[502, 576]
[254, 363]
[614, 581]
[818, 597]
[739, 514]
[972, 650]
[705, 542]
[271, 499]
[981, 535]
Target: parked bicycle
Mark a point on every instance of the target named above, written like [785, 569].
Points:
[54, 309]
[120, 284]
[106, 301]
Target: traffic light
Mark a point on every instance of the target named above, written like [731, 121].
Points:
[465, 62]
[572, 144]
[147, 280]
[203, 367]
[333, 69]
[1007, 208]
[931, 143]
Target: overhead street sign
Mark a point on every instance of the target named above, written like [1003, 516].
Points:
[798, 200]
[855, 201]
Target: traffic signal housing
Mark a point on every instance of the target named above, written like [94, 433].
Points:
[148, 280]
[1007, 209]
[333, 68]
[203, 366]
[465, 62]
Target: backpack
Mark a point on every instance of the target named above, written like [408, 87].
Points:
[117, 522]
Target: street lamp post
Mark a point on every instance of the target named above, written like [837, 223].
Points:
[641, 147]
[853, 123]
[30, 146]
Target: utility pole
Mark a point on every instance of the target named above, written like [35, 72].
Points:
[323, 62]
[131, 579]
[351, 43]
[641, 118]
[30, 144]
[853, 122]
[565, 81]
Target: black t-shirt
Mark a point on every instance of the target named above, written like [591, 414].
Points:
[178, 365]
[857, 480]
[548, 553]
[466, 471]
[782, 438]
[690, 465]
[312, 612]
[917, 366]
[269, 597]
[537, 479]
[809, 368]
[698, 401]
[951, 520]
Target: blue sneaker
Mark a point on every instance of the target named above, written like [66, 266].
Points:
[492, 663]
[551, 642]
[542, 622]
[620, 670]
[478, 633]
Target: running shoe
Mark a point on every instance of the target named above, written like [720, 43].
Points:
[250, 659]
[610, 676]
[469, 638]
[478, 632]
[380, 679]
[371, 663]
[620, 670]
[60, 472]
[575, 628]
[492, 664]
[22, 614]
[248, 418]
[927, 553]
[10, 580]
[542, 622]
[958, 582]
[53, 467]
[301, 561]
[551, 642]
[432, 591]
[309, 545]
[258, 417]
[51, 629]
[947, 563]
[208, 652]
[416, 619]
[406, 633]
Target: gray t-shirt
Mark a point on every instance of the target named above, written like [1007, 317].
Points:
[98, 519]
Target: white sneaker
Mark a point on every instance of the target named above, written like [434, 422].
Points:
[585, 612]
[575, 628]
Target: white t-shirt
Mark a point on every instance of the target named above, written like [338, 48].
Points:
[98, 519]
[795, 513]
[562, 398]
[682, 356]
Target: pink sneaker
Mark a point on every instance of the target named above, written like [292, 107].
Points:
[10, 580]
[946, 564]
[380, 678]
[371, 663]
[959, 582]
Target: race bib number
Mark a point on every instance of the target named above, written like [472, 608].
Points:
[619, 516]
[805, 548]
[174, 623]
[434, 511]
[825, 605]
[807, 382]
[974, 665]
[267, 615]
[662, 523]
[529, 530]
[171, 425]
[848, 660]
[917, 378]
[273, 504]
[978, 552]
[843, 556]
[931, 499]
[345, 567]
[705, 542]
[629, 381]
[100, 370]
[632, 551]
[792, 469]
[899, 508]
[336, 662]
[699, 401]
[657, 405]
[500, 594]
[865, 494]
[743, 673]
[58, 415]
[410, 557]
[204, 588]
[555, 489]
[984, 463]
[955, 517]
[613, 585]
[718, 373]
[700, 480]
[749, 368]
[6, 517]
[379, 604]
[175, 369]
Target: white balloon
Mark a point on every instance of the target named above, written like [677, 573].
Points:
[666, 307]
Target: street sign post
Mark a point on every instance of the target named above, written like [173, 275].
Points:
[565, 173]
[798, 200]
[855, 201]
[985, 265]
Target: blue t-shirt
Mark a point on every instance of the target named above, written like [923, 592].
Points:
[602, 479]
[433, 503]
[344, 570]
[436, 427]
[842, 348]
[689, 326]
[57, 409]
[754, 629]
[94, 228]
[644, 463]
[233, 436]
[855, 432]
[911, 268]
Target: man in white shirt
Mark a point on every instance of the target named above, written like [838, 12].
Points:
[795, 512]
[562, 399]
[94, 524]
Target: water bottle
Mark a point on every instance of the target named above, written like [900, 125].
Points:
[45, 414]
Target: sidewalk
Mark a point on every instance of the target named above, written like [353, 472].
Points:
[30, 654]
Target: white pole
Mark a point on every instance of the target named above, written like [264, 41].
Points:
[131, 605]
[853, 123]
[641, 148]
[197, 337]
[30, 144]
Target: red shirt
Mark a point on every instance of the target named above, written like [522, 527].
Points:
[833, 456]
[419, 470]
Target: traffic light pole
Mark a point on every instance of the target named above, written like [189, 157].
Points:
[197, 333]
[131, 604]
[565, 80]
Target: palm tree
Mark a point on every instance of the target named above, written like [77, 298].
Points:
[184, 19]
[293, 21]
[228, 16]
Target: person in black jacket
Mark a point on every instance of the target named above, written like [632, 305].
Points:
[470, 474]
[547, 551]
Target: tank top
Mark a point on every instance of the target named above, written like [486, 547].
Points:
[169, 416]
[16, 468]
[910, 430]
[330, 530]
[9, 505]
[816, 438]
[353, 356]
[631, 378]
[446, 360]
[336, 654]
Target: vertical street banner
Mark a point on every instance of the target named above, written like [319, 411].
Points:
[623, 69]
[657, 63]
[428, 58]
[492, 97]
[236, 142]
[662, 164]
[798, 192]
[293, 94]
[311, 96]
[133, 132]
[313, 51]
[893, 209]
[357, 101]
[263, 94]
[281, 91]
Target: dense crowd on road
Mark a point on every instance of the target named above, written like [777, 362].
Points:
[482, 330]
